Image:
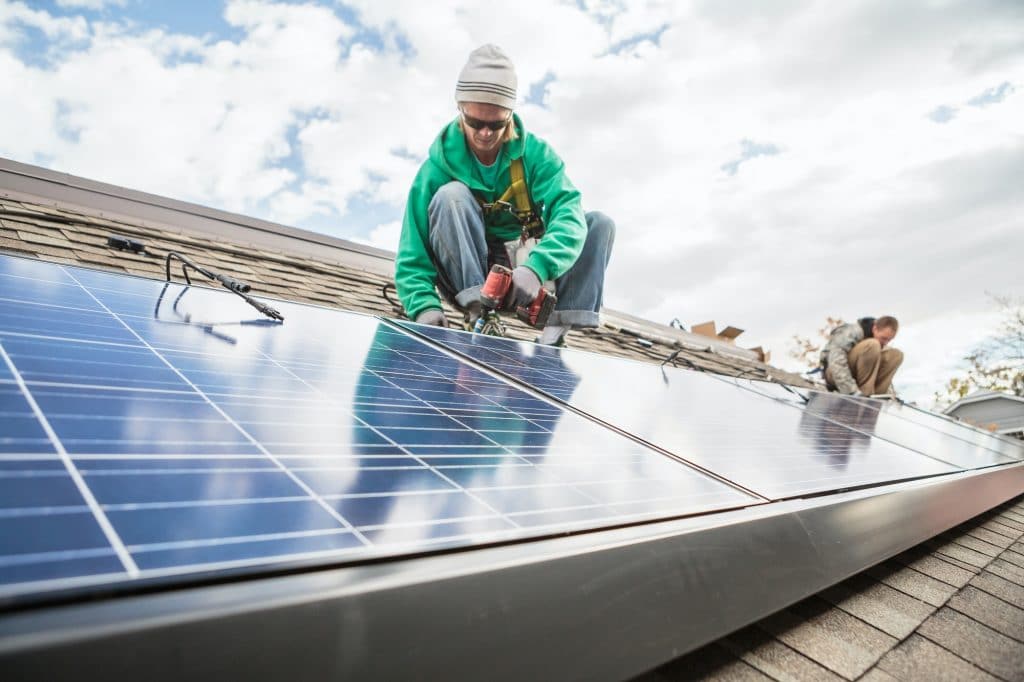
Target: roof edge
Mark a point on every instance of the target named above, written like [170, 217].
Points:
[21, 181]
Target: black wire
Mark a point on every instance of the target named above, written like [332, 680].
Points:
[229, 283]
[397, 307]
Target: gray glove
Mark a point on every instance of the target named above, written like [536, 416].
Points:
[524, 289]
[433, 316]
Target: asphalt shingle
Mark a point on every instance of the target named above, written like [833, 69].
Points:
[891, 611]
[833, 638]
[979, 644]
[991, 537]
[1012, 557]
[773, 658]
[920, 660]
[938, 568]
[913, 583]
[997, 614]
[1005, 569]
[714, 664]
[955, 550]
[995, 526]
[999, 587]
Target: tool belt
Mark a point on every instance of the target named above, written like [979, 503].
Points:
[516, 200]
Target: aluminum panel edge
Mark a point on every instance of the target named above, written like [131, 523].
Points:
[602, 605]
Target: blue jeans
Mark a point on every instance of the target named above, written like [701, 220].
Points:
[459, 242]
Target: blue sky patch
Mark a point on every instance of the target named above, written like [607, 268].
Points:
[188, 17]
[653, 37]
[749, 150]
[991, 96]
[943, 114]
[538, 91]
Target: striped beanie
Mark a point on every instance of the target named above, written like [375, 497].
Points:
[488, 77]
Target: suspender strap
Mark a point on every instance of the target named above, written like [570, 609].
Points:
[516, 200]
[518, 187]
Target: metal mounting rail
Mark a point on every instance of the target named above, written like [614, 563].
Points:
[599, 605]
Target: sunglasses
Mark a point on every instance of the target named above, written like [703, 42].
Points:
[477, 124]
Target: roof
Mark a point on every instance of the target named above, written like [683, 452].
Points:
[951, 604]
[1000, 412]
[950, 608]
[316, 270]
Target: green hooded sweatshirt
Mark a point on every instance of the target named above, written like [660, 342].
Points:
[451, 159]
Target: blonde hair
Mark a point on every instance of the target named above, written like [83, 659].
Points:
[507, 135]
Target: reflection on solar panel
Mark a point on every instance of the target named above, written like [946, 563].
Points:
[779, 452]
[911, 427]
[152, 430]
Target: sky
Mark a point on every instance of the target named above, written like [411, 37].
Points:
[767, 163]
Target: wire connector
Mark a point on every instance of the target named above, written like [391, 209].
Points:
[231, 284]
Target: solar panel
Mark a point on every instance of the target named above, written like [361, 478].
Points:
[155, 430]
[959, 444]
[762, 445]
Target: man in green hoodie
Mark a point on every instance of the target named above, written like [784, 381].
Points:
[460, 217]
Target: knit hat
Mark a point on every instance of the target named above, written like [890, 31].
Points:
[488, 77]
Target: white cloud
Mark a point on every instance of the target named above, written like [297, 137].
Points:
[869, 206]
[384, 236]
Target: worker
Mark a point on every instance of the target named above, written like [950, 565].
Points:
[463, 214]
[858, 359]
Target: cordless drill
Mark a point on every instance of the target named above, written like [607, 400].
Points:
[492, 297]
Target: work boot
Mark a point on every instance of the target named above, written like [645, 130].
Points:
[554, 335]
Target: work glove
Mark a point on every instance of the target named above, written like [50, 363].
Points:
[524, 289]
[433, 316]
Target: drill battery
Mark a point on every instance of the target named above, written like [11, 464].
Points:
[496, 288]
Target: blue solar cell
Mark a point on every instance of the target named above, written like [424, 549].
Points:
[142, 527]
[31, 487]
[39, 320]
[220, 551]
[59, 361]
[21, 432]
[779, 453]
[208, 438]
[233, 484]
[50, 531]
[46, 569]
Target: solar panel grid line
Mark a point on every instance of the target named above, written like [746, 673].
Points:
[236, 539]
[392, 442]
[302, 484]
[429, 369]
[296, 558]
[112, 389]
[483, 367]
[14, 512]
[64, 339]
[100, 516]
[69, 583]
[207, 502]
[14, 559]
